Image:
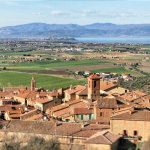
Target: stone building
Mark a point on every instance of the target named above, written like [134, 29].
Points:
[70, 135]
[33, 84]
[132, 124]
[93, 87]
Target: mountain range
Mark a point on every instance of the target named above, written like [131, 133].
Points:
[75, 30]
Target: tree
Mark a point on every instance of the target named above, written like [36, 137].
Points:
[40, 143]
[34, 143]
[4, 68]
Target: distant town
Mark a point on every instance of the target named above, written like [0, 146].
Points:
[82, 95]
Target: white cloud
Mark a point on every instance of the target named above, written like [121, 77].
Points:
[57, 12]
[36, 13]
[11, 3]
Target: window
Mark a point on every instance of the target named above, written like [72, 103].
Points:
[135, 133]
[94, 84]
[81, 117]
[125, 132]
[101, 114]
[77, 116]
[71, 140]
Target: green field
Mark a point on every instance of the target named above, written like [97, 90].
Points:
[13, 53]
[76, 53]
[12, 79]
[118, 70]
[46, 65]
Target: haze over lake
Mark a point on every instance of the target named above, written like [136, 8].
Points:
[144, 40]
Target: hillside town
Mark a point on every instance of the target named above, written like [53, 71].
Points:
[97, 115]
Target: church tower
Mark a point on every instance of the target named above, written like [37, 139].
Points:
[33, 84]
[93, 87]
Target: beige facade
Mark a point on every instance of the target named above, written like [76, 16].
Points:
[130, 126]
[69, 97]
[20, 99]
[102, 146]
[44, 106]
[82, 117]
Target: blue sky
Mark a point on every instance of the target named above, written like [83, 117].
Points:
[15, 12]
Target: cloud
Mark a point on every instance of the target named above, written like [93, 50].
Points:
[36, 13]
[11, 3]
[61, 13]
[57, 12]
[110, 14]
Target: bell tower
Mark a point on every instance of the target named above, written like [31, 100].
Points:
[93, 87]
[33, 84]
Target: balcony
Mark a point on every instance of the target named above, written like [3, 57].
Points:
[127, 137]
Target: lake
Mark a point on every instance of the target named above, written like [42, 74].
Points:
[144, 40]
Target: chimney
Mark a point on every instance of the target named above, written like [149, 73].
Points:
[84, 124]
[131, 110]
[71, 87]
[58, 124]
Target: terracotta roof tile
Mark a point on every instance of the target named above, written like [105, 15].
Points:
[141, 115]
[43, 100]
[75, 89]
[83, 92]
[105, 137]
[107, 103]
[94, 76]
[35, 117]
[47, 127]
[105, 85]
[80, 111]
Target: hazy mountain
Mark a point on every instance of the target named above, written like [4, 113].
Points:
[74, 30]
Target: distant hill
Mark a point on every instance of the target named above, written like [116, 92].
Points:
[74, 30]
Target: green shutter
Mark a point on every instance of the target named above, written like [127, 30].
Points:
[81, 117]
[90, 116]
[77, 116]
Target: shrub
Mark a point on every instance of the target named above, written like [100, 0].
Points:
[34, 143]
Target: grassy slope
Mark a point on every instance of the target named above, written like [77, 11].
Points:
[8, 78]
[45, 65]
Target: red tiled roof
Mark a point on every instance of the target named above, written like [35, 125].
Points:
[105, 137]
[107, 103]
[4, 94]
[7, 100]
[43, 100]
[80, 111]
[65, 105]
[74, 101]
[125, 74]
[35, 117]
[105, 85]
[83, 92]
[68, 109]
[94, 76]
[75, 89]
[141, 115]
[47, 127]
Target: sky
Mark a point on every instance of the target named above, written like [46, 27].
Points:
[16, 12]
